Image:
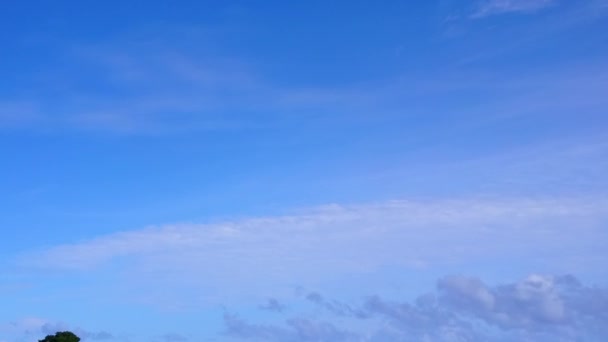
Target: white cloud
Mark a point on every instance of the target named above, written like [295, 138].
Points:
[492, 7]
[538, 304]
[536, 308]
[159, 88]
[17, 114]
[335, 241]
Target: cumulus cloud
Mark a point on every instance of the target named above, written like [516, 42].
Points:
[531, 303]
[536, 304]
[537, 308]
[492, 7]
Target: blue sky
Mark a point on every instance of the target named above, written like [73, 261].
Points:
[304, 171]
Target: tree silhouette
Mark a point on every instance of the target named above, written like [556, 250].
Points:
[62, 336]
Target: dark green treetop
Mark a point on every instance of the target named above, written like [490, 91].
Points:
[62, 336]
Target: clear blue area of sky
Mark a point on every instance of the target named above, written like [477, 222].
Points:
[117, 115]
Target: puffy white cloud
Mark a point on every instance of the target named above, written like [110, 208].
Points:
[537, 308]
[532, 302]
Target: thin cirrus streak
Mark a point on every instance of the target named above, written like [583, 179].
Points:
[494, 7]
[179, 91]
[555, 234]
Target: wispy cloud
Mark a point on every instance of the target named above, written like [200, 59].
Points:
[173, 337]
[167, 89]
[337, 241]
[273, 305]
[493, 7]
[156, 87]
[36, 328]
[297, 329]
[18, 114]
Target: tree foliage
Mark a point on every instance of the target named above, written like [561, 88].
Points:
[62, 336]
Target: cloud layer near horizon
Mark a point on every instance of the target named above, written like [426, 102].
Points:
[536, 308]
[334, 241]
